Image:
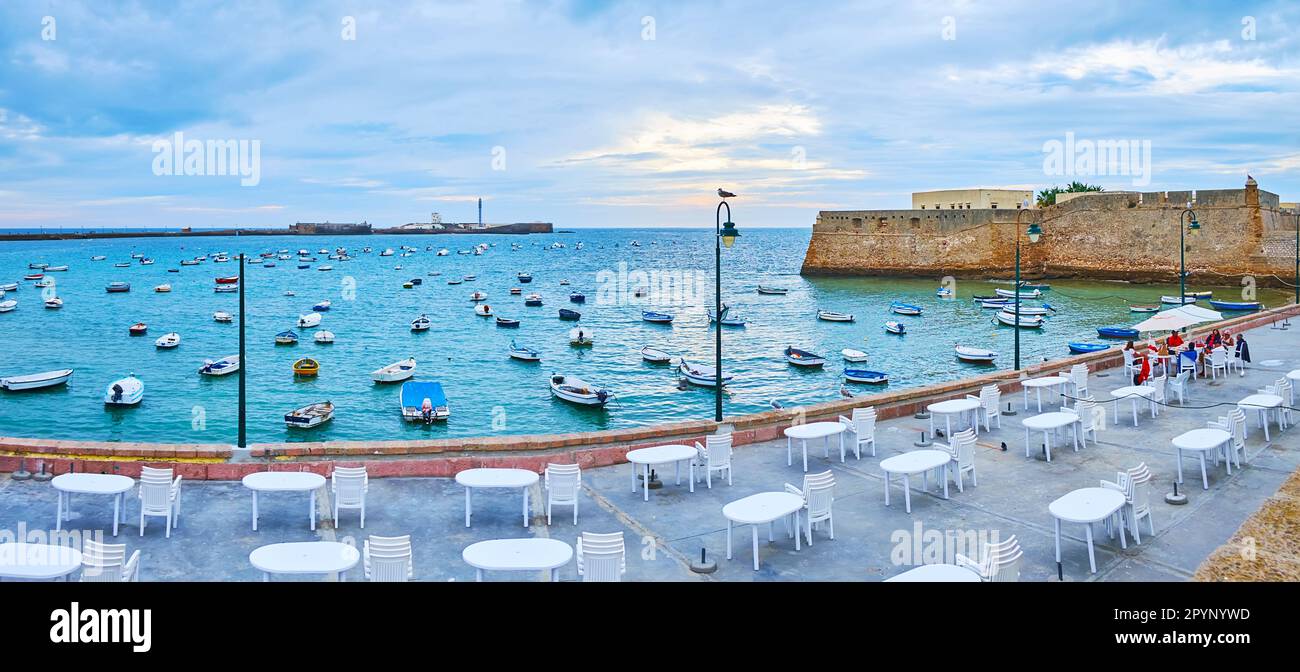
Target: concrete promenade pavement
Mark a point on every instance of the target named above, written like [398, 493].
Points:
[872, 541]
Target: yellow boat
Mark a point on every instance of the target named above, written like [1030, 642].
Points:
[306, 367]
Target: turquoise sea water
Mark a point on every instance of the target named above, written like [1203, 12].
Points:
[488, 393]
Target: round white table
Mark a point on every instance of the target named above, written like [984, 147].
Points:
[765, 507]
[285, 481]
[518, 555]
[1202, 441]
[1132, 393]
[1037, 384]
[1048, 423]
[937, 573]
[1261, 404]
[949, 408]
[33, 562]
[91, 484]
[642, 459]
[1087, 506]
[305, 557]
[496, 478]
[812, 430]
[915, 462]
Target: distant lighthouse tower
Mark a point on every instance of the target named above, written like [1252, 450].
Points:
[480, 213]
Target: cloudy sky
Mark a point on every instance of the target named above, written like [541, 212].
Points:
[621, 113]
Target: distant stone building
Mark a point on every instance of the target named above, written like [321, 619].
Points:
[335, 228]
[971, 199]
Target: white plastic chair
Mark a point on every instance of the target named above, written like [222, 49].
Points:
[1079, 381]
[1088, 416]
[818, 495]
[1218, 362]
[999, 563]
[1130, 369]
[601, 557]
[160, 496]
[1187, 363]
[1235, 362]
[990, 399]
[388, 559]
[1134, 484]
[962, 450]
[863, 426]
[715, 455]
[107, 563]
[563, 484]
[1179, 385]
[1235, 424]
[1158, 385]
[349, 486]
[1282, 388]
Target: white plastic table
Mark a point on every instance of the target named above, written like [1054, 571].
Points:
[495, 478]
[765, 507]
[518, 555]
[91, 484]
[950, 408]
[644, 458]
[1037, 384]
[1133, 393]
[33, 562]
[1294, 376]
[937, 573]
[305, 557]
[812, 430]
[1261, 404]
[285, 481]
[1204, 440]
[1048, 423]
[1087, 506]
[915, 462]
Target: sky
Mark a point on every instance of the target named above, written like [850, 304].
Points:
[625, 114]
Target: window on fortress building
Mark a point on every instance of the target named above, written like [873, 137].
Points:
[993, 206]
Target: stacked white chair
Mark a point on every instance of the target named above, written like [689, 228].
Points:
[714, 455]
[563, 484]
[349, 485]
[863, 427]
[990, 406]
[107, 563]
[1000, 562]
[962, 450]
[388, 559]
[601, 557]
[1179, 385]
[1079, 381]
[160, 496]
[1233, 423]
[1087, 410]
[1218, 361]
[1135, 485]
[818, 493]
[1281, 388]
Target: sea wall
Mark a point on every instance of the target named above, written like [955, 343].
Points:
[1124, 235]
[445, 457]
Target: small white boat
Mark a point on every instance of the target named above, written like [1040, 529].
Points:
[1024, 322]
[905, 308]
[944, 293]
[1026, 310]
[483, 310]
[98, 257]
[168, 340]
[309, 320]
[578, 391]
[8, 305]
[777, 291]
[10, 287]
[311, 415]
[700, 374]
[421, 323]
[657, 318]
[977, 355]
[895, 327]
[581, 337]
[865, 376]
[655, 355]
[326, 267]
[478, 296]
[1174, 301]
[397, 371]
[127, 391]
[163, 288]
[221, 367]
[321, 307]
[832, 316]
[851, 355]
[222, 316]
[803, 358]
[523, 353]
[443, 252]
[1011, 294]
[388, 252]
[54, 303]
[323, 337]
[36, 381]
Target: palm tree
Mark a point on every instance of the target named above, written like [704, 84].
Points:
[1047, 197]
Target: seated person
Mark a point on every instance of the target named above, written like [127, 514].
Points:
[1174, 339]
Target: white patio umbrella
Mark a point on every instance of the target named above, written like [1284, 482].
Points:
[1177, 318]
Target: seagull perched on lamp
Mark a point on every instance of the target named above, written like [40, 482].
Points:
[725, 194]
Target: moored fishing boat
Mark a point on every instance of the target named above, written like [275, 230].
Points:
[10, 287]
[524, 277]
[895, 327]
[775, 291]
[324, 337]
[655, 355]
[226, 289]
[580, 337]
[127, 391]
[421, 323]
[36, 381]
[311, 415]
[1024, 293]
[483, 310]
[53, 269]
[8, 305]
[1143, 309]
[222, 316]
[944, 293]
[227, 279]
[700, 374]
[286, 338]
[306, 367]
[309, 320]
[220, 367]
[832, 316]
[516, 291]
[577, 297]
[1175, 301]
[576, 390]
[996, 304]
[138, 329]
[1080, 348]
[163, 288]
[1117, 332]
[1235, 305]
[395, 372]
[1024, 321]
[728, 319]
[851, 355]
[54, 303]
[865, 376]
[522, 353]
[117, 287]
[905, 308]
[658, 318]
[975, 355]
[507, 323]
[569, 315]
[478, 296]
[168, 340]
[322, 306]
[423, 401]
[803, 358]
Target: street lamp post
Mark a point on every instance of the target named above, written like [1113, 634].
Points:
[1034, 232]
[1192, 227]
[724, 234]
[243, 361]
[1297, 257]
